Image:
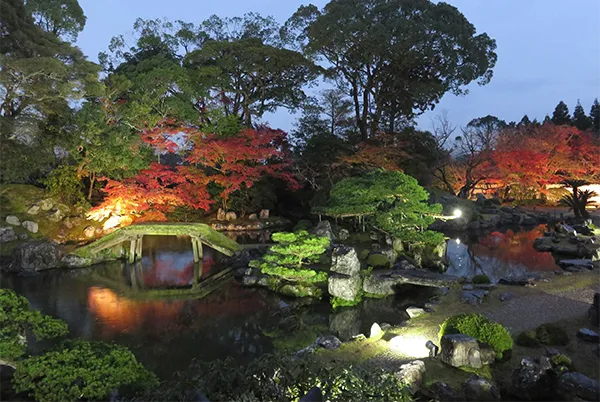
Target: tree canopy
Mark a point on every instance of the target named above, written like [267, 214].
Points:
[394, 58]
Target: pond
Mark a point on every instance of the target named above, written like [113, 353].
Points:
[500, 254]
[114, 302]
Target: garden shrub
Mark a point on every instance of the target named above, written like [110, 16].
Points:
[80, 369]
[292, 251]
[480, 328]
[551, 334]
[481, 279]
[337, 302]
[527, 339]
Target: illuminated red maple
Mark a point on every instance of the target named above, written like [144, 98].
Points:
[228, 162]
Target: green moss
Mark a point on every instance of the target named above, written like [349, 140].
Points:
[337, 302]
[304, 275]
[364, 254]
[552, 334]
[378, 260]
[562, 362]
[527, 339]
[484, 372]
[481, 279]
[480, 328]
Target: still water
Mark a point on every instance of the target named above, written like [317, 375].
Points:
[115, 302]
[500, 254]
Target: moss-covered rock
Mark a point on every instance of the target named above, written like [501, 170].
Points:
[480, 328]
[378, 260]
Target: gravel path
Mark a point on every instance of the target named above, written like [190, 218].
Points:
[528, 312]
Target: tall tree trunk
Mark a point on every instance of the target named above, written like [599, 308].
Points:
[91, 189]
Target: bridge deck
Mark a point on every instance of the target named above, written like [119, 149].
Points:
[197, 231]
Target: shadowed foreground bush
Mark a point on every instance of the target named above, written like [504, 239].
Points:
[79, 369]
[277, 378]
[480, 328]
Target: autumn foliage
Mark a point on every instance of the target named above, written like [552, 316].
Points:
[226, 163]
[530, 158]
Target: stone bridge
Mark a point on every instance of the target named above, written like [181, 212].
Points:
[112, 244]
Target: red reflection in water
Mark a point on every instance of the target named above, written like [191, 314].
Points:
[156, 317]
[515, 248]
[169, 273]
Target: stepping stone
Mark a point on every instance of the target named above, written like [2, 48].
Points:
[588, 335]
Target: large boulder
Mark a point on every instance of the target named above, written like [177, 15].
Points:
[478, 389]
[462, 350]
[329, 342]
[74, 261]
[380, 285]
[264, 214]
[220, 214]
[411, 374]
[532, 380]
[345, 261]
[323, 229]
[31, 226]
[574, 385]
[230, 216]
[343, 286]
[35, 256]
[7, 234]
[13, 220]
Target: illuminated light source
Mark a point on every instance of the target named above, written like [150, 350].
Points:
[457, 240]
[457, 213]
[410, 345]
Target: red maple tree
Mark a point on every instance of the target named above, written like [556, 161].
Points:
[228, 162]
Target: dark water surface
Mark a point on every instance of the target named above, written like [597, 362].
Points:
[118, 302]
[500, 254]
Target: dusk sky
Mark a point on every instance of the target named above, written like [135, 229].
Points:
[548, 50]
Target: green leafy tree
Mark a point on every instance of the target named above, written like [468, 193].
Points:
[580, 119]
[396, 58]
[595, 115]
[293, 251]
[391, 201]
[79, 369]
[17, 319]
[61, 18]
[561, 116]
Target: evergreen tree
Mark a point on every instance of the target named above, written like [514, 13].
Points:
[580, 120]
[595, 115]
[547, 119]
[524, 121]
[561, 114]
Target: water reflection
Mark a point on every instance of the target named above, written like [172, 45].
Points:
[499, 254]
